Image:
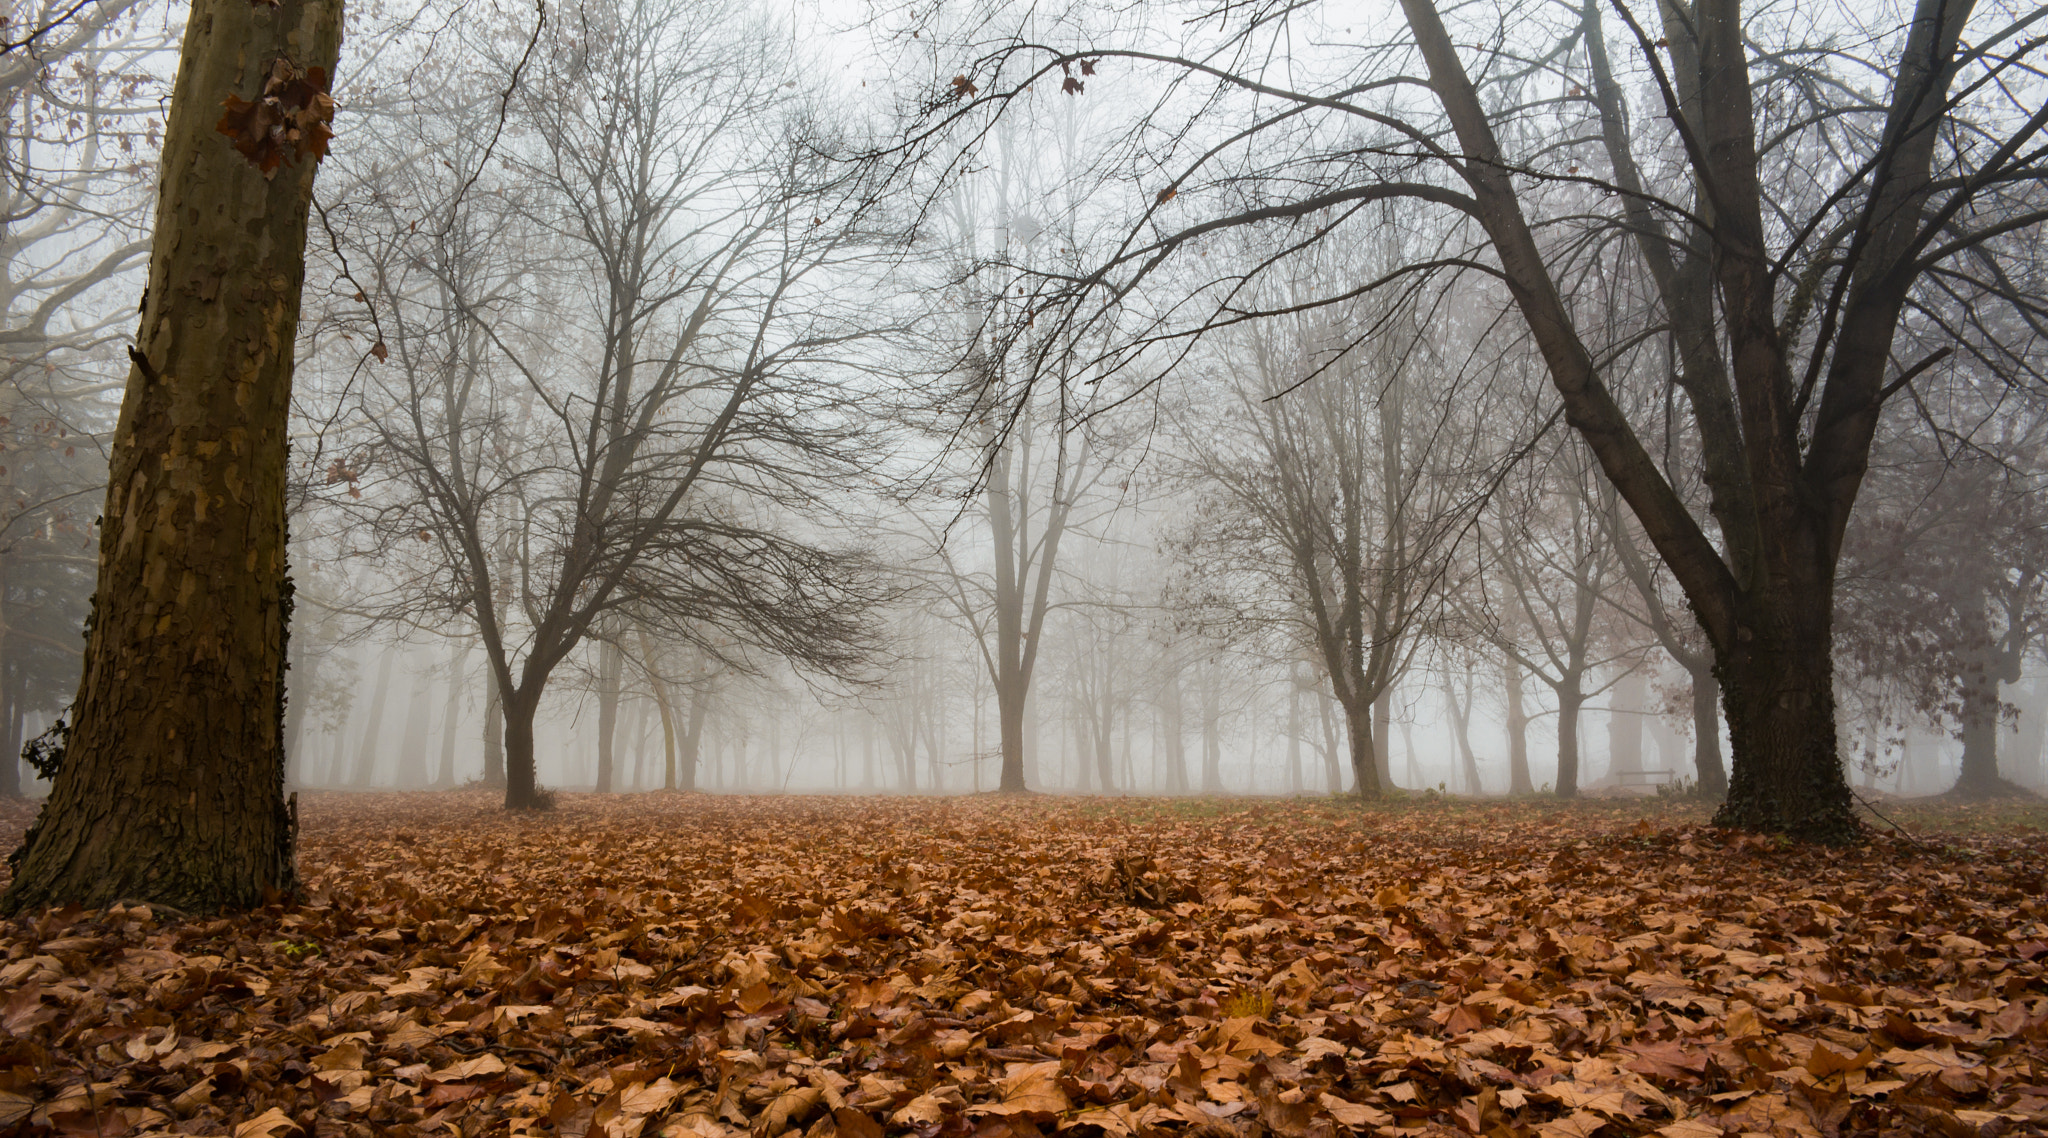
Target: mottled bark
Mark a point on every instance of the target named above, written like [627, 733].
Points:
[172, 784]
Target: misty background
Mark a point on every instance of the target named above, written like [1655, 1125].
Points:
[677, 397]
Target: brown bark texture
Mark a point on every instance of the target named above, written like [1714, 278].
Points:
[171, 789]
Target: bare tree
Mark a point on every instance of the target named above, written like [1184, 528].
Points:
[621, 373]
[1352, 468]
[1791, 200]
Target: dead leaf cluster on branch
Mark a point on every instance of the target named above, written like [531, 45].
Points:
[725, 967]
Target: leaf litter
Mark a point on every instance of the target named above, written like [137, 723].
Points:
[711, 967]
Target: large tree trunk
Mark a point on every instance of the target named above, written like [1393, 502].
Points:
[610, 663]
[1367, 750]
[1010, 725]
[1979, 732]
[1518, 731]
[172, 784]
[692, 741]
[522, 788]
[1779, 697]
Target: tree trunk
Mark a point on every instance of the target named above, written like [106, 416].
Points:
[1010, 724]
[668, 731]
[298, 680]
[412, 741]
[494, 732]
[1518, 732]
[1294, 779]
[451, 716]
[522, 788]
[373, 726]
[1780, 701]
[172, 784]
[1461, 725]
[692, 741]
[1174, 714]
[1332, 772]
[10, 726]
[1706, 733]
[610, 662]
[1569, 700]
[1365, 757]
[1979, 732]
[1383, 736]
[1212, 743]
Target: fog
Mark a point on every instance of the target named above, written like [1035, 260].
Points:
[738, 399]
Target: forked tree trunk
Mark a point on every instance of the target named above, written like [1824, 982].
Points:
[172, 783]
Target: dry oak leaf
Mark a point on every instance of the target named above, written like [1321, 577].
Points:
[791, 1107]
[926, 1109]
[647, 1098]
[1032, 1088]
[344, 1056]
[1354, 1114]
[485, 1064]
[1580, 1125]
[1691, 1128]
[270, 1124]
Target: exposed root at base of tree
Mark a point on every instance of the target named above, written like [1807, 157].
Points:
[717, 967]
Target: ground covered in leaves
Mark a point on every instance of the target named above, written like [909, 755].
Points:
[716, 967]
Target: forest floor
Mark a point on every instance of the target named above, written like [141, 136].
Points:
[723, 966]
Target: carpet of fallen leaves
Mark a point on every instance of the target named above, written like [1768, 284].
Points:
[719, 967]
